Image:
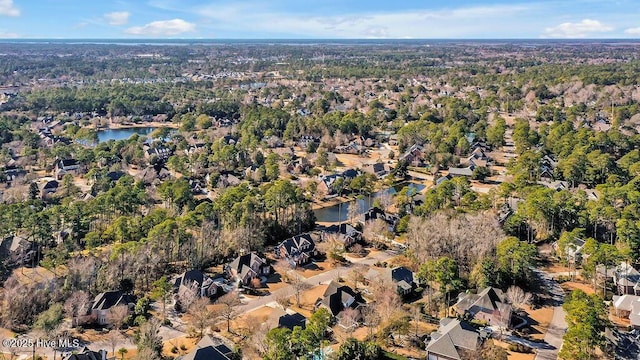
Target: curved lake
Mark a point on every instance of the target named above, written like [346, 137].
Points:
[339, 212]
[122, 133]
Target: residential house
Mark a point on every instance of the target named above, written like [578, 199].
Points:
[490, 305]
[17, 250]
[230, 139]
[573, 250]
[624, 276]
[592, 194]
[479, 145]
[49, 139]
[351, 148]
[376, 213]
[196, 280]
[367, 141]
[628, 307]
[103, 302]
[153, 174]
[306, 140]
[548, 165]
[209, 348]
[297, 250]
[380, 170]
[627, 279]
[337, 298]
[556, 185]
[453, 340]
[329, 183]
[284, 151]
[602, 125]
[50, 187]
[286, 319]
[12, 173]
[66, 166]
[414, 156]
[86, 354]
[114, 176]
[273, 141]
[227, 180]
[442, 179]
[298, 166]
[345, 234]
[546, 174]
[465, 171]
[393, 140]
[251, 172]
[402, 277]
[194, 149]
[160, 151]
[478, 158]
[247, 267]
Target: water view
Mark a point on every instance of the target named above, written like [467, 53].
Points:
[338, 212]
[123, 133]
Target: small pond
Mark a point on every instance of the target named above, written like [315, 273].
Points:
[122, 133]
[338, 212]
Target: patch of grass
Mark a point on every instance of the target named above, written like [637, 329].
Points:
[391, 356]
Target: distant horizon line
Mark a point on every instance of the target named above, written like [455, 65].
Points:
[318, 39]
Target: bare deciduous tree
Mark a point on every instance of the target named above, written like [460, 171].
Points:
[149, 341]
[356, 275]
[229, 301]
[388, 302]
[82, 272]
[466, 238]
[376, 232]
[385, 199]
[299, 286]
[332, 248]
[187, 294]
[202, 316]
[518, 297]
[117, 316]
[258, 340]
[371, 318]
[349, 319]
[76, 305]
[114, 338]
[353, 210]
[283, 301]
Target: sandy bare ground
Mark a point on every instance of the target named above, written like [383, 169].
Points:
[514, 355]
[37, 275]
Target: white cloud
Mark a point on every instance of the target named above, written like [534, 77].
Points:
[7, 8]
[8, 35]
[475, 21]
[117, 17]
[633, 31]
[582, 29]
[163, 28]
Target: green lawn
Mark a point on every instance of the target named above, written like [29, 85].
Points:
[391, 356]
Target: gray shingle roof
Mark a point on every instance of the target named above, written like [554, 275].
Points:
[452, 336]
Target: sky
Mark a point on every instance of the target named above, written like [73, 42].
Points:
[326, 19]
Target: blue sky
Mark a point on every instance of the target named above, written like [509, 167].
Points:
[319, 19]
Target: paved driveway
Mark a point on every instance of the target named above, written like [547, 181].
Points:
[558, 324]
